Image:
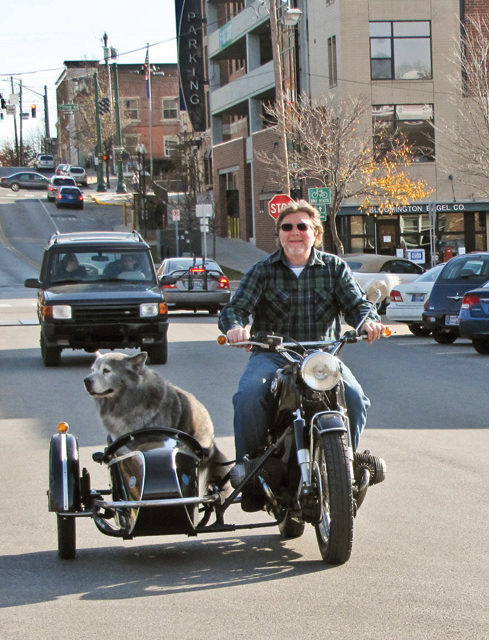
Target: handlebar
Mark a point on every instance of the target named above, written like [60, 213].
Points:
[275, 343]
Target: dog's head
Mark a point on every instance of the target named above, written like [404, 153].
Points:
[113, 373]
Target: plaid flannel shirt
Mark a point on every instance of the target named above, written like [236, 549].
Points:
[308, 307]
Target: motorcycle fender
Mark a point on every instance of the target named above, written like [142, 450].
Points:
[64, 474]
[330, 422]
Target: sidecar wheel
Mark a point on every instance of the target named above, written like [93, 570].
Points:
[291, 528]
[331, 470]
[66, 537]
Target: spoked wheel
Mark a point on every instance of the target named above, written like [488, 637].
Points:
[66, 537]
[331, 474]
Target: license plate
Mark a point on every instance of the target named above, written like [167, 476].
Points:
[451, 320]
[418, 297]
[197, 284]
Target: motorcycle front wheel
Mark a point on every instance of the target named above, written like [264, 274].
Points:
[332, 477]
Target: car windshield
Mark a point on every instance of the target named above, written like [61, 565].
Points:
[76, 170]
[100, 266]
[430, 275]
[188, 263]
[474, 268]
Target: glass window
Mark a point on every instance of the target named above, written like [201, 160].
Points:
[400, 50]
[414, 122]
[170, 108]
[332, 66]
[131, 108]
[170, 144]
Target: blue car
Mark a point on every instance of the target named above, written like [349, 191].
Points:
[473, 319]
[460, 275]
[69, 197]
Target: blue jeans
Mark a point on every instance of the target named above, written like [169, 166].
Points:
[253, 407]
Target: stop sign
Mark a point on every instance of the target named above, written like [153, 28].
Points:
[277, 203]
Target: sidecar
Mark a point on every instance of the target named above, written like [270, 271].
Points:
[158, 480]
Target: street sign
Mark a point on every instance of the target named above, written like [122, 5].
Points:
[204, 225]
[203, 210]
[67, 107]
[319, 195]
[175, 215]
[277, 203]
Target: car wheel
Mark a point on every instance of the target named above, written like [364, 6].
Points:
[15, 186]
[443, 337]
[158, 353]
[418, 329]
[481, 346]
[51, 356]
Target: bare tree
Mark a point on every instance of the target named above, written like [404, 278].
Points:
[463, 141]
[331, 145]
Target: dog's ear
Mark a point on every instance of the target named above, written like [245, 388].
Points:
[138, 361]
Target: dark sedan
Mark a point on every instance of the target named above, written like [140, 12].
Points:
[473, 319]
[24, 180]
[69, 197]
[197, 284]
[458, 276]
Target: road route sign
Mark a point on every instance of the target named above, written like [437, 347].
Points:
[277, 203]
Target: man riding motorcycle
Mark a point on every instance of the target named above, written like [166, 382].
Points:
[300, 292]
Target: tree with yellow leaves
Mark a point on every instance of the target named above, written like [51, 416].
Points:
[330, 143]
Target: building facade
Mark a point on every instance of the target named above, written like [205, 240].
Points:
[155, 123]
[396, 56]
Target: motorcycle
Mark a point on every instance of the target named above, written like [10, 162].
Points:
[159, 486]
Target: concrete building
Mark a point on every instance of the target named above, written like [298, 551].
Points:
[395, 55]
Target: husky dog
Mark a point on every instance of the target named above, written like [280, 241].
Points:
[131, 396]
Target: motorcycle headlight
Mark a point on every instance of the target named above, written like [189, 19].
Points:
[321, 371]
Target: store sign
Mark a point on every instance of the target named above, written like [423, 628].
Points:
[191, 61]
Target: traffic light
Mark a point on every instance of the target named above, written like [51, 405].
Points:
[3, 102]
[33, 110]
[103, 106]
[105, 157]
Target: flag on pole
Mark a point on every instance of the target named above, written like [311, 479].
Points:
[146, 71]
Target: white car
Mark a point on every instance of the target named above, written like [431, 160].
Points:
[407, 301]
[44, 161]
[378, 273]
[78, 174]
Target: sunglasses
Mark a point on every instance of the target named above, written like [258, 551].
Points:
[301, 226]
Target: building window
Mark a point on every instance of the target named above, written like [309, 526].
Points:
[414, 122]
[332, 70]
[400, 50]
[170, 108]
[170, 144]
[130, 141]
[131, 108]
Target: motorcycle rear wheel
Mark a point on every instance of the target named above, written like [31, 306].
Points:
[332, 473]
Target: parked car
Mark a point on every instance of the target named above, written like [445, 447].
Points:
[473, 319]
[375, 272]
[58, 181]
[69, 196]
[407, 301]
[61, 169]
[77, 173]
[458, 276]
[92, 310]
[24, 180]
[44, 161]
[195, 284]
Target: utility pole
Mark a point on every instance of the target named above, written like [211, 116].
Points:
[120, 177]
[279, 90]
[15, 125]
[21, 144]
[46, 117]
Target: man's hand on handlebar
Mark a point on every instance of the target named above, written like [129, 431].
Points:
[374, 330]
[239, 334]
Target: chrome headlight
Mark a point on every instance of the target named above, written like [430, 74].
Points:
[61, 312]
[148, 310]
[321, 371]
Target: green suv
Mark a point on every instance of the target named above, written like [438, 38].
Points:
[99, 290]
